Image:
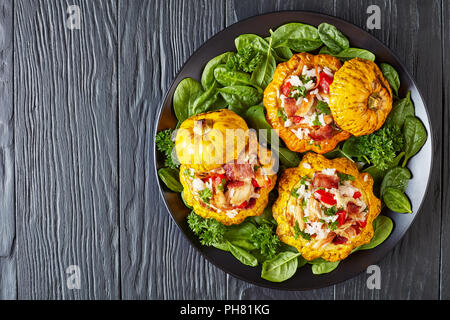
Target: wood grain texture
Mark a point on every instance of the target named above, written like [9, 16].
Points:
[8, 283]
[445, 229]
[411, 29]
[66, 149]
[238, 10]
[7, 220]
[156, 38]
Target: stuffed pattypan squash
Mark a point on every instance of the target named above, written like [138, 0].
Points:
[202, 142]
[297, 103]
[229, 191]
[360, 97]
[325, 207]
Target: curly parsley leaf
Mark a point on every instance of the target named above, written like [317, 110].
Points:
[380, 147]
[246, 59]
[165, 145]
[266, 240]
[209, 231]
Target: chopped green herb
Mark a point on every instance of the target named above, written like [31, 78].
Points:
[298, 232]
[281, 114]
[297, 91]
[345, 177]
[316, 121]
[331, 211]
[221, 186]
[304, 202]
[205, 195]
[294, 193]
[187, 172]
[333, 226]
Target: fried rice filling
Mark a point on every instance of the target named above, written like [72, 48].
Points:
[327, 208]
[304, 104]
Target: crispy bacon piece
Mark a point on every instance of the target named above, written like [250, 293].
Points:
[339, 240]
[235, 184]
[290, 106]
[321, 180]
[238, 171]
[323, 133]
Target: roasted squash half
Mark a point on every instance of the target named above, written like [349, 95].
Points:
[234, 191]
[360, 97]
[325, 208]
[297, 103]
[208, 140]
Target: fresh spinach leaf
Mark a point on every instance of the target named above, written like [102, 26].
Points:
[282, 267]
[382, 228]
[378, 174]
[351, 53]
[207, 79]
[397, 177]
[415, 136]
[351, 147]
[184, 96]
[171, 178]
[321, 266]
[208, 101]
[242, 255]
[332, 37]
[326, 50]
[240, 235]
[396, 200]
[263, 73]
[400, 110]
[391, 76]
[249, 96]
[184, 200]
[288, 158]
[283, 53]
[297, 36]
[232, 78]
[256, 119]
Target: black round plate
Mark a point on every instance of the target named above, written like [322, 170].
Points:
[420, 165]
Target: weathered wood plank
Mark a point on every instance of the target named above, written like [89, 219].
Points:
[66, 149]
[8, 281]
[7, 225]
[445, 240]
[156, 38]
[236, 11]
[412, 29]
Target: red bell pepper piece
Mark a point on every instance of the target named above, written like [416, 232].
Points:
[357, 195]
[286, 89]
[297, 119]
[325, 197]
[325, 81]
[341, 216]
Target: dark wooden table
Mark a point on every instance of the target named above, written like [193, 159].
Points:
[77, 113]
